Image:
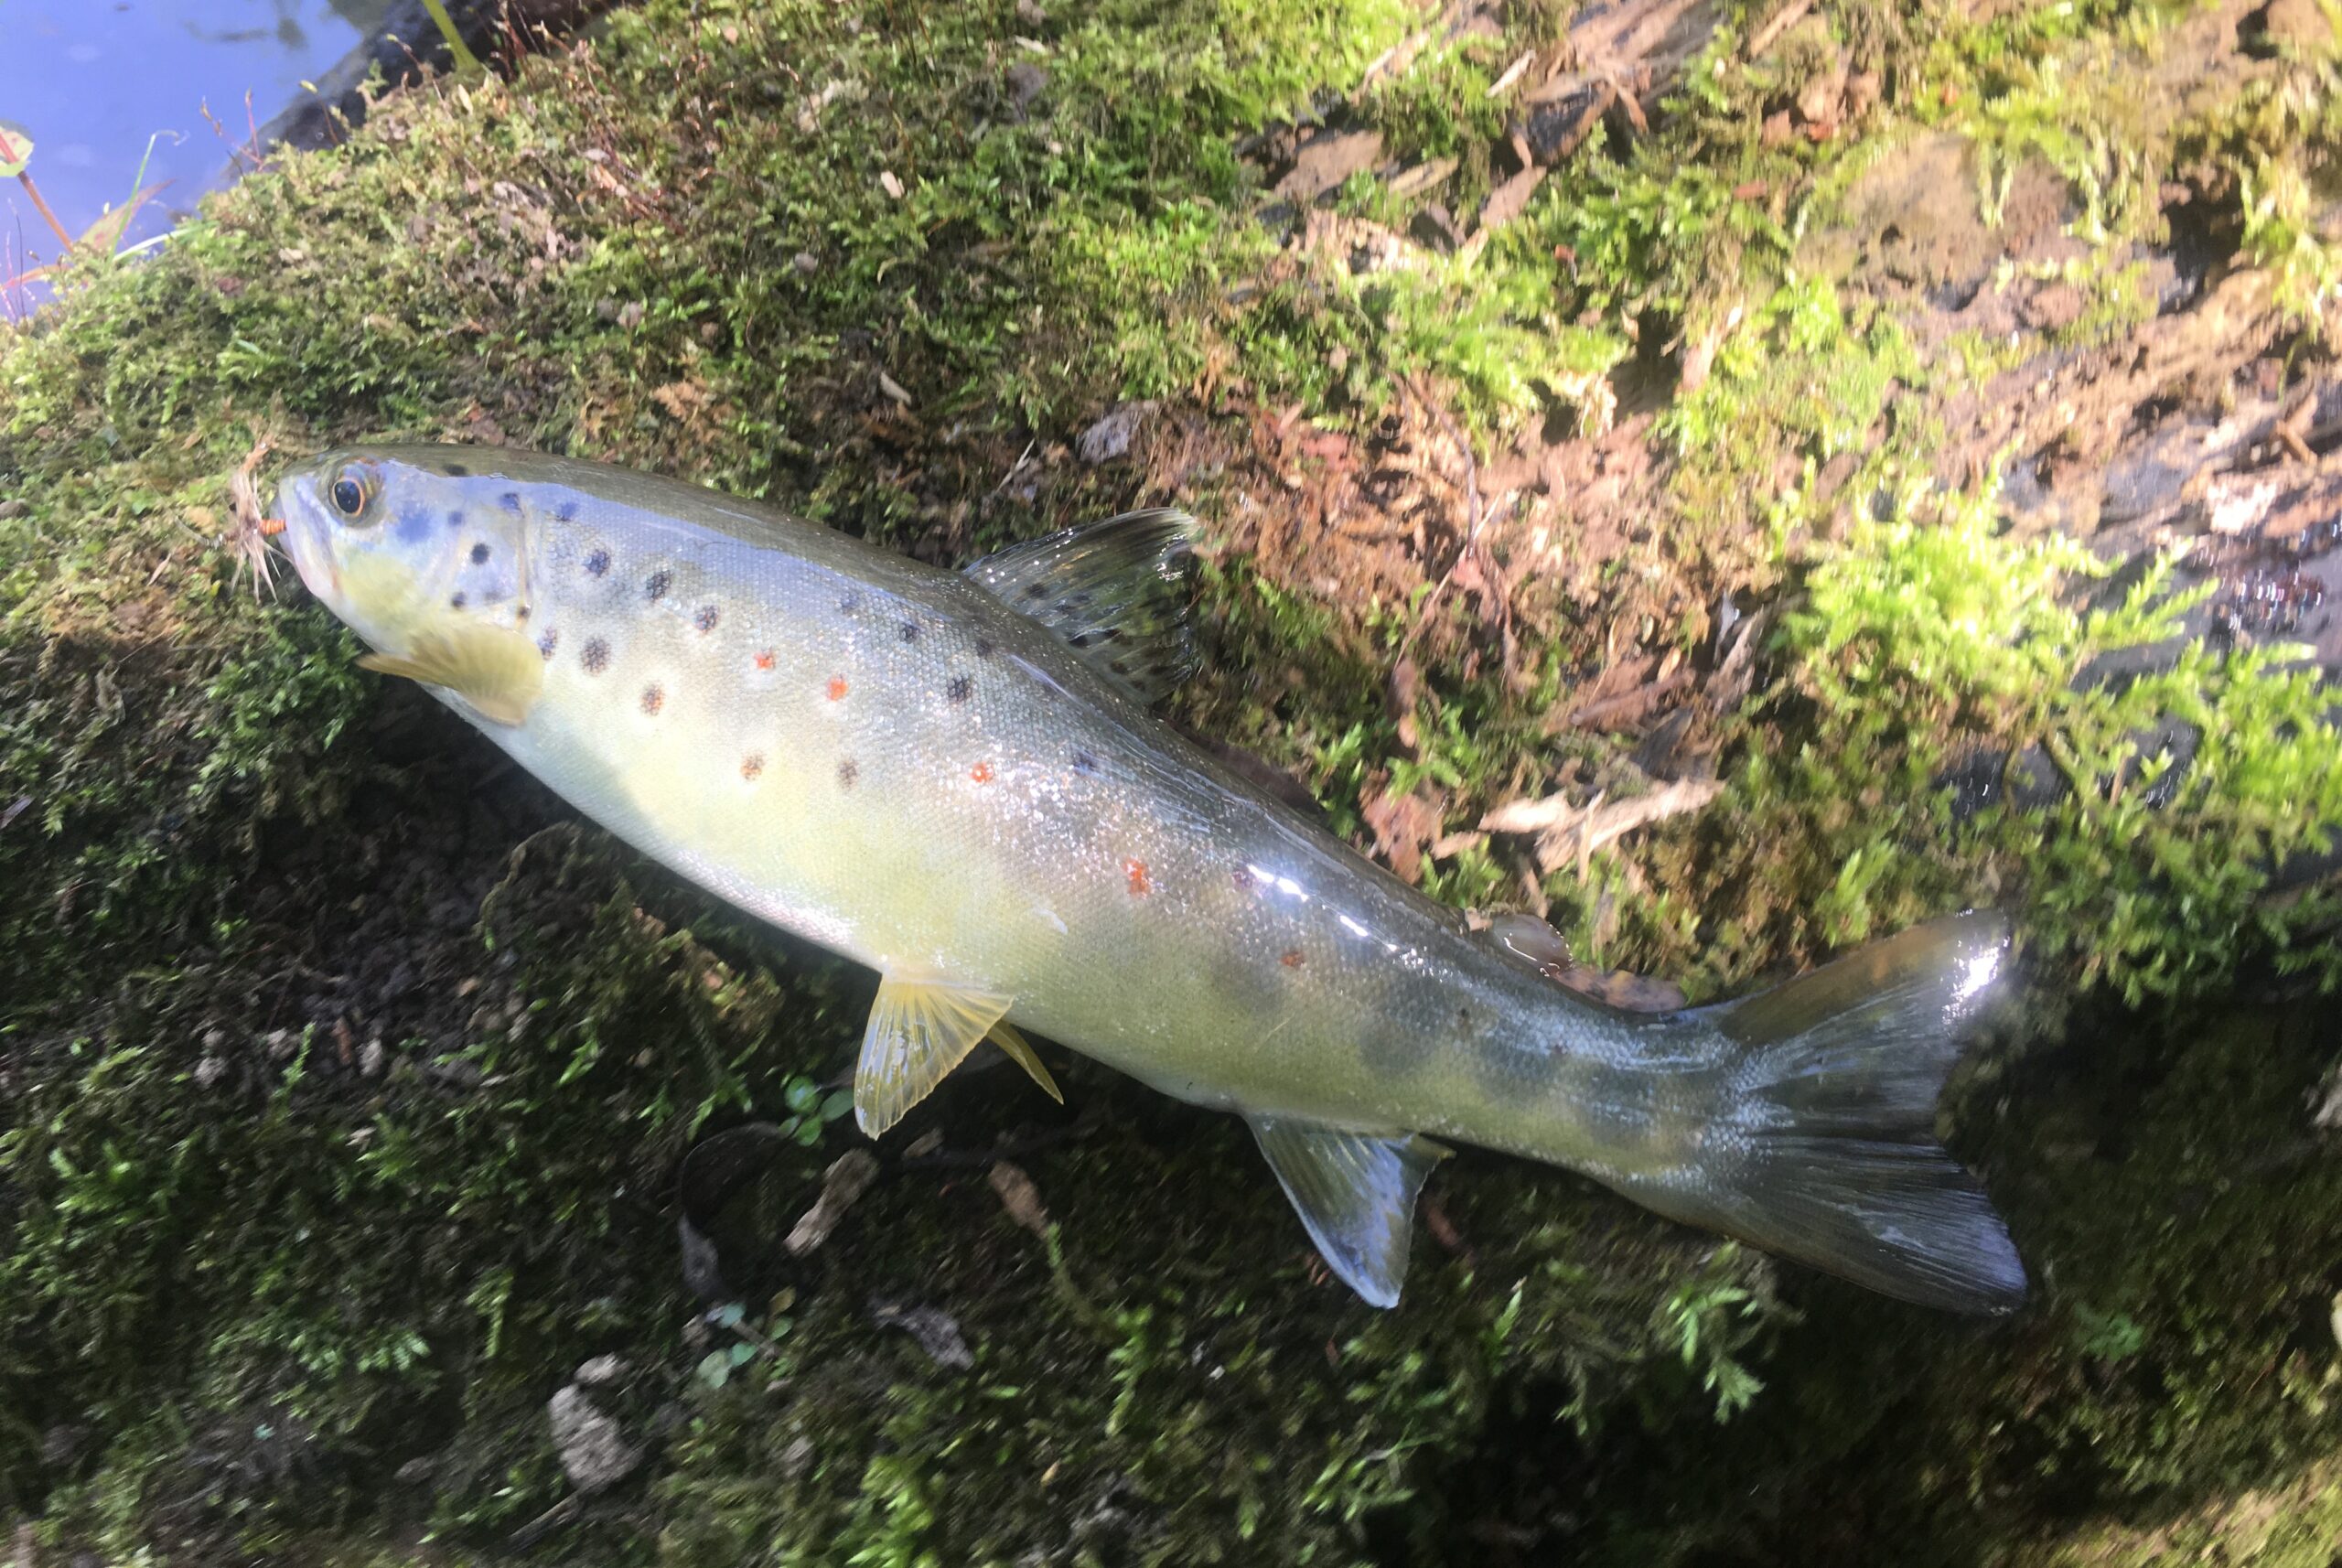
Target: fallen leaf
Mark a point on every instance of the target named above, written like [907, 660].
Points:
[1404, 826]
[16, 149]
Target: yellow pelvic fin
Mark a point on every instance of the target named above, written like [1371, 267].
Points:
[495, 668]
[918, 1031]
[1018, 1049]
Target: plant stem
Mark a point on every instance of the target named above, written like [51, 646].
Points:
[464, 58]
[25, 179]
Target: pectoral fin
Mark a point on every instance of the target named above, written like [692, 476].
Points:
[1356, 1192]
[918, 1031]
[495, 668]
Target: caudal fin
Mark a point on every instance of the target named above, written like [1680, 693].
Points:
[1832, 1108]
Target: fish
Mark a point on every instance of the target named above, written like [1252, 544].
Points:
[958, 780]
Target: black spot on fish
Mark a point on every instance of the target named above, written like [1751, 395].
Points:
[548, 642]
[983, 648]
[455, 517]
[1119, 665]
[456, 471]
[960, 690]
[910, 631]
[455, 601]
[1084, 763]
[653, 699]
[598, 563]
[595, 656]
[567, 512]
[520, 612]
[849, 604]
[1037, 591]
[1080, 639]
[654, 587]
[510, 500]
[706, 618]
[847, 773]
[479, 554]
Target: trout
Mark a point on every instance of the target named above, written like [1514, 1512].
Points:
[955, 779]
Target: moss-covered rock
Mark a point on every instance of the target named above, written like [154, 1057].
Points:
[347, 1080]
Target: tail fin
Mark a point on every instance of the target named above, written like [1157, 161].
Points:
[1834, 1107]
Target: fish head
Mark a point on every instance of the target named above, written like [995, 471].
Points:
[403, 541]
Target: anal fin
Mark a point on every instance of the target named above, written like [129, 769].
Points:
[1356, 1195]
[918, 1031]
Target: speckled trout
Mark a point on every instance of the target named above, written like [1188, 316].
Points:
[954, 778]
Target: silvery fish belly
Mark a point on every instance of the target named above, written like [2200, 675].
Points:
[954, 779]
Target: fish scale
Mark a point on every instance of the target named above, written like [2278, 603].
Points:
[953, 778]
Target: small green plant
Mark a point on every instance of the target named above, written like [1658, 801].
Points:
[811, 1110]
[1712, 1320]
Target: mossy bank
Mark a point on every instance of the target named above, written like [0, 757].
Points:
[1557, 434]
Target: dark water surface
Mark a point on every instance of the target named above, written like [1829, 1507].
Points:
[92, 80]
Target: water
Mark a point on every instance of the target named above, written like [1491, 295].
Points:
[92, 80]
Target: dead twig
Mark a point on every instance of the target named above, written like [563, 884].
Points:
[1779, 22]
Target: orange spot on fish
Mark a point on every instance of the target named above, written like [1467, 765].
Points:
[1141, 882]
[270, 527]
[751, 765]
[837, 688]
[981, 773]
[764, 661]
[1291, 958]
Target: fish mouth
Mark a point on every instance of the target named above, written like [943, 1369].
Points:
[306, 532]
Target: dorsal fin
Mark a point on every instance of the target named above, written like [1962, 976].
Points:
[1115, 592]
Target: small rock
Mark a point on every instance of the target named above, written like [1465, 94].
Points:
[1434, 227]
[631, 314]
[209, 1071]
[454, 1072]
[1025, 82]
[12, 510]
[601, 1371]
[414, 1472]
[1019, 1197]
[214, 1040]
[1030, 15]
[280, 1043]
[797, 1459]
[807, 263]
[593, 1451]
[371, 1057]
[2052, 307]
[937, 1333]
[1111, 437]
[2299, 23]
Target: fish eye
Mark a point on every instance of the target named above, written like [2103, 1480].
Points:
[351, 490]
